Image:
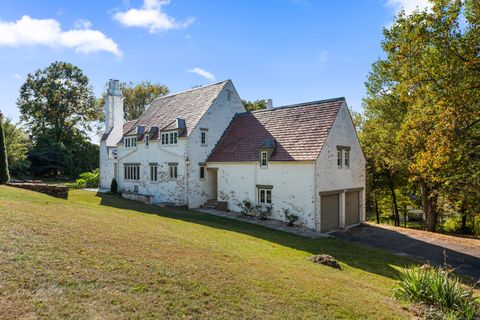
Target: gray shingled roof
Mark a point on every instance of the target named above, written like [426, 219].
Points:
[189, 105]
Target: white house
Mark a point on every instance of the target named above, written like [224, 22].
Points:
[200, 145]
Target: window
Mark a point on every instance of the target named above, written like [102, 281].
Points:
[153, 172]
[147, 140]
[173, 172]
[130, 142]
[264, 159]
[265, 196]
[131, 172]
[169, 137]
[202, 172]
[203, 138]
[346, 158]
[343, 157]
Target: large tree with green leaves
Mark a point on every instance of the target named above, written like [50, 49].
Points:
[17, 144]
[58, 107]
[426, 96]
[137, 97]
[4, 175]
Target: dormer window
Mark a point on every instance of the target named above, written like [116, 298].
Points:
[264, 159]
[130, 142]
[169, 137]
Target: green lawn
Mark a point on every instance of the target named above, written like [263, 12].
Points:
[105, 257]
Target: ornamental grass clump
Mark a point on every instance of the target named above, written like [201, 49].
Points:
[439, 288]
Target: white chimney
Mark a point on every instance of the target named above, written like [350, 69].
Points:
[269, 104]
[114, 112]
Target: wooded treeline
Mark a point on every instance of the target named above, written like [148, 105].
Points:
[421, 127]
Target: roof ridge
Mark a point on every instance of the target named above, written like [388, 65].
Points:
[191, 89]
[303, 104]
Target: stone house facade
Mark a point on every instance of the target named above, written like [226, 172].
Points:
[200, 145]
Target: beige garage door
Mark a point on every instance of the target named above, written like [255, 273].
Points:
[329, 212]
[352, 208]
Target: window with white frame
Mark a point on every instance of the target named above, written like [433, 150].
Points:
[264, 159]
[173, 170]
[202, 172]
[203, 138]
[131, 171]
[264, 196]
[130, 142]
[346, 158]
[153, 172]
[169, 137]
[343, 157]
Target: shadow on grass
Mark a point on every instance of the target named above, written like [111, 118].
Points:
[354, 255]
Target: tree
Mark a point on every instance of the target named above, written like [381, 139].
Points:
[58, 101]
[58, 107]
[255, 105]
[137, 97]
[4, 175]
[429, 78]
[17, 144]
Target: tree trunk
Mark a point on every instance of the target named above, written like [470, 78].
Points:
[429, 200]
[463, 213]
[377, 213]
[405, 214]
[395, 206]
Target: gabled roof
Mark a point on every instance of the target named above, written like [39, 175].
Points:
[127, 126]
[188, 105]
[299, 132]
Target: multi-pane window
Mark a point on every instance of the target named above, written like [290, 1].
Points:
[339, 158]
[173, 172]
[343, 157]
[263, 159]
[202, 172]
[265, 196]
[203, 137]
[130, 142]
[153, 172]
[131, 172]
[169, 137]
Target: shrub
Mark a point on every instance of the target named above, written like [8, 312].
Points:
[437, 287]
[87, 180]
[290, 217]
[114, 186]
[265, 212]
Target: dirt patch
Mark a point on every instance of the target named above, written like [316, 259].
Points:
[326, 260]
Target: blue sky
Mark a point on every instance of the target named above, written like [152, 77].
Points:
[291, 51]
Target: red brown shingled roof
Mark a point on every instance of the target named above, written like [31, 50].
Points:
[299, 130]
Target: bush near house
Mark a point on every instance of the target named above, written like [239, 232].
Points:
[87, 180]
[437, 287]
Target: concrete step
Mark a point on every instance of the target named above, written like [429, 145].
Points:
[209, 206]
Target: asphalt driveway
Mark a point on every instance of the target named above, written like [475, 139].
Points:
[463, 254]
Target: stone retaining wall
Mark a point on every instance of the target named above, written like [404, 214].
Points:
[51, 190]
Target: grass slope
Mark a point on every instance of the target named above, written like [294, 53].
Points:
[108, 258]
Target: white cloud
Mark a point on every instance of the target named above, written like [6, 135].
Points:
[151, 17]
[17, 76]
[203, 73]
[409, 5]
[82, 24]
[47, 32]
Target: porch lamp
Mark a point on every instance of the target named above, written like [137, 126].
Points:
[187, 162]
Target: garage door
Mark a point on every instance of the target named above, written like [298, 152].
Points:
[352, 208]
[329, 212]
